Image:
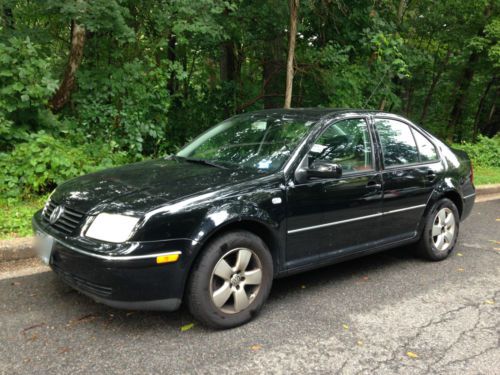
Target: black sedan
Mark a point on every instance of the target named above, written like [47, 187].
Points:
[261, 195]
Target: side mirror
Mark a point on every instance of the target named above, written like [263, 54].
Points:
[324, 169]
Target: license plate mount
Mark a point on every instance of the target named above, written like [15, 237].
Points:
[44, 245]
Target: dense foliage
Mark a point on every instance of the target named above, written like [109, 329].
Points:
[91, 83]
[485, 152]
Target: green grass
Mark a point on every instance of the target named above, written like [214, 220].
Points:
[486, 175]
[15, 220]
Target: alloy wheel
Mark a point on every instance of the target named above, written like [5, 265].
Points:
[443, 229]
[236, 280]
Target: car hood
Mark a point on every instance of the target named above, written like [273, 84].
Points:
[140, 187]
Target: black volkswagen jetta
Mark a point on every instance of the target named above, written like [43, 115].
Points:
[259, 196]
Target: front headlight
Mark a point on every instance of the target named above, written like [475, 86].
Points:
[112, 227]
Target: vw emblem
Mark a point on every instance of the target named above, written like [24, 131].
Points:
[56, 214]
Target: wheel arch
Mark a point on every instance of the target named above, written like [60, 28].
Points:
[252, 225]
[455, 197]
[436, 196]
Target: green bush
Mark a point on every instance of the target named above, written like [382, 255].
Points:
[128, 104]
[39, 165]
[485, 152]
[25, 86]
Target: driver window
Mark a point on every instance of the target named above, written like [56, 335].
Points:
[347, 143]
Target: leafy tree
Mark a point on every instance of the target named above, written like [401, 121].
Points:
[142, 77]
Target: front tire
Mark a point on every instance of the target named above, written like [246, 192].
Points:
[440, 232]
[231, 280]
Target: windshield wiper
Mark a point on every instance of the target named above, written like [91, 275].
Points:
[204, 161]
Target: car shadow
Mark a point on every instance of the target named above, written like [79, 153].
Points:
[46, 292]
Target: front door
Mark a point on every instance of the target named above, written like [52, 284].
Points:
[329, 217]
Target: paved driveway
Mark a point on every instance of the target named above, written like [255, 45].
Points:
[388, 313]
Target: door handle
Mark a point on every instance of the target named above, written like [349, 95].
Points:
[373, 185]
[431, 176]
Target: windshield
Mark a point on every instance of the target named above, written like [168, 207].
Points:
[258, 141]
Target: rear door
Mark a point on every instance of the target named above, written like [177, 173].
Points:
[408, 180]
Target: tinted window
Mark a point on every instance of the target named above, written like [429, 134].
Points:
[426, 149]
[398, 144]
[347, 143]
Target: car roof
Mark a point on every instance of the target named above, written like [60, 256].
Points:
[318, 113]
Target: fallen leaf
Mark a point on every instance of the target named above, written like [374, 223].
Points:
[497, 220]
[497, 248]
[256, 347]
[86, 318]
[360, 343]
[302, 286]
[187, 327]
[365, 278]
[63, 350]
[411, 355]
[489, 302]
[346, 327]
[460, 270]
[495, 242]
[15, 283]
[33, 338]
[460, 255]
[130, 313]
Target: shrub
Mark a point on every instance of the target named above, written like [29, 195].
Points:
[25, 86]
[128, 104]
[39, 165]
[485, 152]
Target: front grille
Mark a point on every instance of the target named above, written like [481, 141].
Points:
[82, 284]
[69, 221]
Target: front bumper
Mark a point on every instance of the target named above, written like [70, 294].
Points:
[130, 279]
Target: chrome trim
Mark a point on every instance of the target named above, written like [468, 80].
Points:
[117, 257]
[469, 196]
[354, 219]
[404, 209]
[334, 223]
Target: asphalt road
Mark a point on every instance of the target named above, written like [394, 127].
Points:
[388, 313]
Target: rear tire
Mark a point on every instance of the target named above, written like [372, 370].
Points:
[230, 281]
[440, 232]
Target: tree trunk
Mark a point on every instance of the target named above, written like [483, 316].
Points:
[409, 98]
[434, 83]
[492, 126]
[272, 68]
[381, 106]
[230, 71]
[401, 11]
[463, 85]
[228, 62]
[8, 18]
[63, 93]
[480, 108]
[171, 57]
[294, 6]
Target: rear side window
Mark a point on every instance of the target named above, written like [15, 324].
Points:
[398, 144]
[426, 149]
